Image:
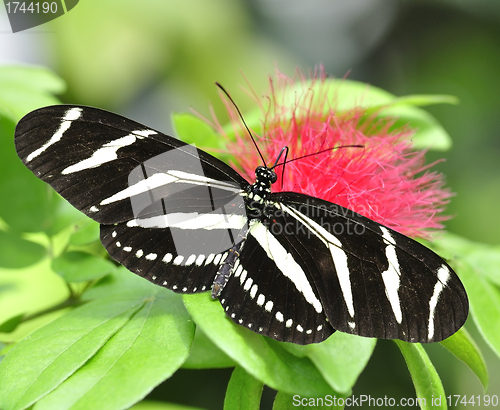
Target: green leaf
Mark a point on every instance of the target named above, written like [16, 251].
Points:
[194, 130]
[427, 383]
[131, 341]
[11, 324]
[262, 357]
[42, 361]
[205, 354]
[86, 231]
[16, 252]
[346, 95]
[24, 89]
[148, 349]
[243, 391]
[462, 346]
[429, 134]
[27, 204]
[484, 300]
[340, 359]
[77, 266]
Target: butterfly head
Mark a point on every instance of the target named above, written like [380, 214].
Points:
[265, 175]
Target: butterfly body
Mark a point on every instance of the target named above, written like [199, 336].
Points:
[286, 265]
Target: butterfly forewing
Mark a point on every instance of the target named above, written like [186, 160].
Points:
[94, 158]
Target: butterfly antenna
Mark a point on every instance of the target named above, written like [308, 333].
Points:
[315, 153]
[284, 149]
[243, 121]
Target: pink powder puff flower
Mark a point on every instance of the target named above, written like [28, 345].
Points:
[385, 180]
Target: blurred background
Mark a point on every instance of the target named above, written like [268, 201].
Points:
[148, 59]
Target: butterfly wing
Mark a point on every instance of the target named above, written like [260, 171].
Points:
[371, 280]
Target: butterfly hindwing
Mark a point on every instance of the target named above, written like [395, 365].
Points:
[258, 296]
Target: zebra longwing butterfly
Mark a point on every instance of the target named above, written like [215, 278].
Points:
[277, 262]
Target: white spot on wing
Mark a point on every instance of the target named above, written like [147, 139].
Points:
[279, 316]
[253, 291]
[178, 260]
[210, 258]
[139, 253]
[238, 271]
[289, 323]
[261, 299]
[217, 259]
[248, 284]
[269, 306]
[243, 276]
[151, 256]
[199, 260]
[191, 260]
[127, 249]
[167, 258]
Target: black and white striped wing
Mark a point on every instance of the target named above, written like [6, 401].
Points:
[364, 278]
[144, 187]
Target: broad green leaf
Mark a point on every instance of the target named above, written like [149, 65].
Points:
[86, 231]
[27, 204]
[345, 95]
[16, 252]
[484, 301]
[194, 130]
[243, 391]
[157, 405]
[464, 348]
[23, 89]
[118, 282]
[429, 134]
[148, 349]
[286, 401]
[80, 266]
[340, 359]
[427, 383]
[263, 358]
[43, 360]
[205, 354]
[11, 324]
